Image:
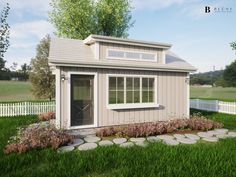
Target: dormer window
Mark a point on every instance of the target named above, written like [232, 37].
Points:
[131, 55]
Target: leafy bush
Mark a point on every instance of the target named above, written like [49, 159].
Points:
[157, 128]
[47, 116]
[38, 138]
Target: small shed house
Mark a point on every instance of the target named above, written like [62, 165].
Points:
[104, 81]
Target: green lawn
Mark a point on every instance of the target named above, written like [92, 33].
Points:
[202, 159]
[219, 93]
[15, 91]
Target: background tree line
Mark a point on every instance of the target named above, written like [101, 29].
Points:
[12, 73]
[224, 78]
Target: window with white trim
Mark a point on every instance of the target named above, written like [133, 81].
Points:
[116, 90]
[131, 90]
[131, 55]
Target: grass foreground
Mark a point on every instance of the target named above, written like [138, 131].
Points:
[214, 93]
[201, 159]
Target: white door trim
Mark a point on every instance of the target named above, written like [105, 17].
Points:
[95, 99]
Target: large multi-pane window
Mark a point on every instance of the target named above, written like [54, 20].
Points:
[131, 90]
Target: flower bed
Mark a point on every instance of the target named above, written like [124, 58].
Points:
[157, 128]
[37, 136]
[47, 116]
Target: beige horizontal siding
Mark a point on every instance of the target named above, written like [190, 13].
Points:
[171, 94]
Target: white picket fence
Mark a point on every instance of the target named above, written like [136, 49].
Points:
[214, 105]
[35, 108]
[26, 108]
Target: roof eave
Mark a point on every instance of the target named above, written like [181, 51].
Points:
[172, 69]
[97, 38]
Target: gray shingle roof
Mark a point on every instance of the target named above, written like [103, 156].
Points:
[70, 52]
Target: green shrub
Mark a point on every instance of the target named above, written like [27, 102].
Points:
[38, 137]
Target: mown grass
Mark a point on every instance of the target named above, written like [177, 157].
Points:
[202, 159]
[214, 93]
[15, 91]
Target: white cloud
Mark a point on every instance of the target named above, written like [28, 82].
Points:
[31, 29]
[23, 40]
[40, 7]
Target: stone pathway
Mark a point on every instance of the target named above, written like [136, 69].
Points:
[87, 146]
[105, 143]
[91, 141]
[127, 144]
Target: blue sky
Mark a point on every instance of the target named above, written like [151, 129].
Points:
[201, 39]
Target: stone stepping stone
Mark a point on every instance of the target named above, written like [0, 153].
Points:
[153, 139]
[164, 137]
[222, 130]
[204, 134]
[141, 143]
[127, 144]
[223, 136]
[77, 142]
[119, 140]
[171, 142]
[179, 136]
[186, 141]
[87, 146]
[137, 139]
[192, 137]
[210, 139]
[92, 139]
[105, 143]
[232, 134]
[213, 132]
[65, 149]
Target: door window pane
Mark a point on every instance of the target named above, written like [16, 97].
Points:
[81, 90]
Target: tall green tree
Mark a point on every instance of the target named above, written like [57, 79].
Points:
[113, 17]
[233, 45]
[43, 82]
[4, 35]
[80, 18]
[25, 69]
[230, 74]
[230, 70]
